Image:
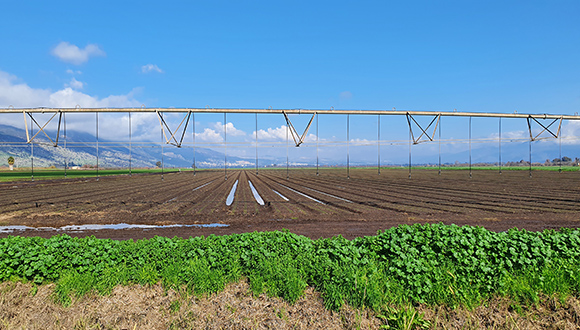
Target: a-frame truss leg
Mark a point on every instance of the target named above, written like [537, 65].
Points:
[298, 139]
[533, 137]
[41, 128]
[424, 133]
[164, 125]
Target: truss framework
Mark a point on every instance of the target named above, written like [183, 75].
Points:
[545, 129]
[41, 128]
[164, 126]
[428, 137]
[171, 136]
[295, 111]
[175, 137]
[298, 139]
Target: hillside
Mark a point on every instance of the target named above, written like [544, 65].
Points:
[81, 151]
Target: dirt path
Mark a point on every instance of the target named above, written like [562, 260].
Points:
[154, 307]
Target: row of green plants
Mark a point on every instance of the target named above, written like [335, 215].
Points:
[45, 174]
[554, 168]
[405, 265]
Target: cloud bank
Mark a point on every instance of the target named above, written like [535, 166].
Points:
[15, 93]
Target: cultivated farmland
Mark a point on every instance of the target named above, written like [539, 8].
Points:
[403, 277]
[316, 206]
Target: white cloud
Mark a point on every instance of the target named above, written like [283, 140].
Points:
[312, 138]
[515, 135]
[115, 127]
[272, 134]
[571, 132]
[69, 53]
[346, 95]
[69, 98]
[75, 84]
[17, 94]
[69, 71]
[216, 134]
[20, 95]
[362, 142]
[209, 135]
[511, 135]
[150, 68]
[231, 130]
[279, 134]
[241, 163]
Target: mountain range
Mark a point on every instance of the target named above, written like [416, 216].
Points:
[81, 151]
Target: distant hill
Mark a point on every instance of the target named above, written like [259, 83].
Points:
[81, 151]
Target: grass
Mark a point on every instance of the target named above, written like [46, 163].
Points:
[24, 174]
[48, 174]
[432, 168]
[504, 168]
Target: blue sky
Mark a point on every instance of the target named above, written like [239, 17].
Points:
[481, 56]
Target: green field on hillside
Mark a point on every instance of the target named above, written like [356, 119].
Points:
[49, 174]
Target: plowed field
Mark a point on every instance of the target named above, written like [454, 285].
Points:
[307, 204]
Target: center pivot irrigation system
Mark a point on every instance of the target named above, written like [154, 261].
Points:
[549, 124]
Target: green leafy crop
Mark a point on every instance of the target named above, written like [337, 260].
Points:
[432, 264]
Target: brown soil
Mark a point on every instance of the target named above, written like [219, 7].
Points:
[23, 306]
[351, 207]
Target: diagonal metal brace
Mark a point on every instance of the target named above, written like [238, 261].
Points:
[164, 125]
[298, 139]
[424, 133]
[545, 129]
[41, 128]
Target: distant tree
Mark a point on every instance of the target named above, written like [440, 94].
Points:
[158, 164]
[566, 159]
[556, 160]
[11, 163]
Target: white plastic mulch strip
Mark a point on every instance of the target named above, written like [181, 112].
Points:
[230, 198]
[329, 195]
[256, 194]
[279, 194]
[203, 185]
[118, 226]
[299, 193]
